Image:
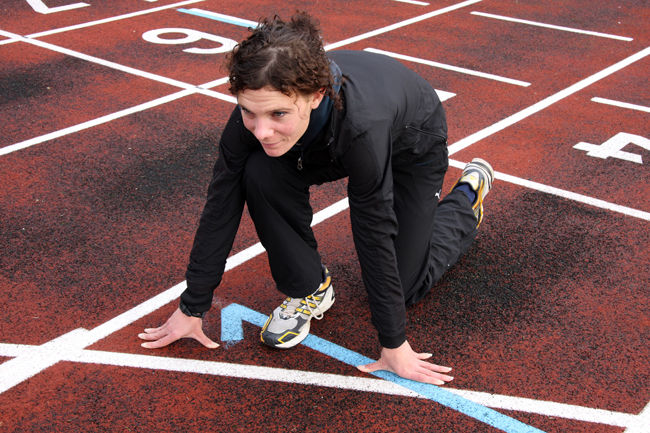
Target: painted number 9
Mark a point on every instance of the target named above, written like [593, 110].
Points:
[189, 37]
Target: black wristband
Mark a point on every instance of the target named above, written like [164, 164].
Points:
[187, 311]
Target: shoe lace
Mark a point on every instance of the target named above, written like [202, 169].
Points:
[312, 311]
[294, 306]
[290, 308]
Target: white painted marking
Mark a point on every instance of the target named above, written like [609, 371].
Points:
[550, 26]
[450, 67]
[413, 2]
[89, 124]
[549, 408]
[641, 422]
[621, 104]
[42, 8]
[443, 96]
[400, 24]
[545, 103]
[104, 119]
[111, 19]
[191, 35]
[113, 65]
[215, 83]
[201, 89]
[38, 358]
[8, 41]
[329, 380]
[22, 368]
[612, 148]
[563, 193]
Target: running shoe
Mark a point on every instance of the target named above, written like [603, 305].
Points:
[479, 175]
[288, 324]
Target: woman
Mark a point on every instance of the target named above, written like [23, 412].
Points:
[305, 118]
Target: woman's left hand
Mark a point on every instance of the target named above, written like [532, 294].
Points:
[408, 364]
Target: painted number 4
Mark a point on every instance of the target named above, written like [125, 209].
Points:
[614, 147]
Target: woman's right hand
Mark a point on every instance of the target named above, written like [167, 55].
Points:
[176, 327]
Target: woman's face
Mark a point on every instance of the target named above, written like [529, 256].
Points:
[276, 120]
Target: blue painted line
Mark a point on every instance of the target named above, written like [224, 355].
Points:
[219, 17]
[232, 331]
[232, 317]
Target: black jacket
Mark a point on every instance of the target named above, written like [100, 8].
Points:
[391, 116]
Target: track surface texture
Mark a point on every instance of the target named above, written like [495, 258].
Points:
[110, 116]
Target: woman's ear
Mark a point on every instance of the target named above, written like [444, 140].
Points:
[316, 98]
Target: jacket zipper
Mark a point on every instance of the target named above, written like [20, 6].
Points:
[434, 134]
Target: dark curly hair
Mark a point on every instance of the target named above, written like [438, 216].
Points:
[287, 56]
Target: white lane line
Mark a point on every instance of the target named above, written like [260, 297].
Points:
[113, 65]
[450, 67]
[413, 2]
[641, 422]
[104, 21]
[400, 24]
[111, 19]
[204, 88]
[549, 408]
[621, 104]
[551, 26]
[8, 41]
[38, 358]
[118, 114]
[564, 193]
[363, 384]
[94, 122]
[23, 367]
[215, 83]
[545, 103]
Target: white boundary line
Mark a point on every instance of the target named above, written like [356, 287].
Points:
[551, 26]
[22, 368]
[111, 19]
[450, 67]
[400, 24]
[621, 104]
[113, 65]
[354, 383]
[203, 89]
[564, 193]
[103, 21]
[94, 122]
[413, 2]
[641, 422]
[545, 103]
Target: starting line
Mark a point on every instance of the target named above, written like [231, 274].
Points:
[353, 383]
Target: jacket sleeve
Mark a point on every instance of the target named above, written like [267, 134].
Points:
[374, 227]
[220, 218]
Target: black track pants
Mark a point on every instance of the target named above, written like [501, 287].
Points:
[432, 236]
